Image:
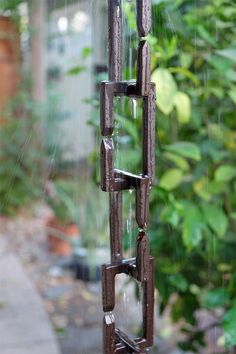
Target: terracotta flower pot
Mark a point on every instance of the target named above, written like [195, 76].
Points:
[56, 244]
[10, 61]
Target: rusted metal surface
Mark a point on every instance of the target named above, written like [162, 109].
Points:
[116, 226]
[115, 39]
[144, 68]
[144, 19]
[115, 181]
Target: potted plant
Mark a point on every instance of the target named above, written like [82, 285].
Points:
[90, 251]
[21, 155]
[61, 227]
[79, 212]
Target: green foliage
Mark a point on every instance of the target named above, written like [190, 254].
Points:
[20, 156]
[10, 4]
[192, 227]
[171, 179]
[11, 7]
[60, 197]
[216, 298]
[78, 69]
[229, 323]
[73, 204]
[185, 149]
[193, 217]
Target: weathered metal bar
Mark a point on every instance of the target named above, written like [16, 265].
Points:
[115, 40]
[144, 17]
[107, 162]
[106, 109]
[144, 68]
[116, 227]
[108, 287]
[148, 305]
[149, 133]
[131, 344]
[143, 262]
[108, 90]
[109, 334]
[142, 201]
[109, 272]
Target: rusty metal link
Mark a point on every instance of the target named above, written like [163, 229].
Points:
[115, 181]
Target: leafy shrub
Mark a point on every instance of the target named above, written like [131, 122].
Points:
[193, 218]
[193, 204]
[60, 197]
[20, 156]
[84, 206]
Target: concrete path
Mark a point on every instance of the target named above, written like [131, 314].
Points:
[24, 324]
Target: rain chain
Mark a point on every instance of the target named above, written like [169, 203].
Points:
[115, 181]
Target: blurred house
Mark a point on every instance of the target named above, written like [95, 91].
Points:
[63, 47]
[76, 51]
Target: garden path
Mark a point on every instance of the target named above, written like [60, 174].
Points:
[24, 324]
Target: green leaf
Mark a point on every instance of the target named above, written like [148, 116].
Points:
[185, 149]
[207, 36]
[170, 215]
[216, 187]
[166, 88]
[233, 216]
[229, 53]
[192, 227]
[224, 267]
[185, 72]
[186, 59]
[171, 179]
[200, 187]
[216, 218]
[222, 65]
[232, 94]
[183, 107]
[76, 70]
[229, 325]
[179, 282]
[129, 127]
[179, 161]
[225, 173]
[86, 52]
[215, 298]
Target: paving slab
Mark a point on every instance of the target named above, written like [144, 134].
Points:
[24, 325]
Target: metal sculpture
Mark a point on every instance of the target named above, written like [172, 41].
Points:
[115, 181]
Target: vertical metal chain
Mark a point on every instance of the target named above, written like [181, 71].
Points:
[115, 181]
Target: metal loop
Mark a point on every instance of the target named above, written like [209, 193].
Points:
[115, 181]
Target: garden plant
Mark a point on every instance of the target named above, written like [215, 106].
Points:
[193, 213]
[193, 205]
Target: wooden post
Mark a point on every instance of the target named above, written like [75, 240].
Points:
[38, 35]
[38, 27]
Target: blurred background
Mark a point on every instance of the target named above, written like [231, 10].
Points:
[54, 232]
